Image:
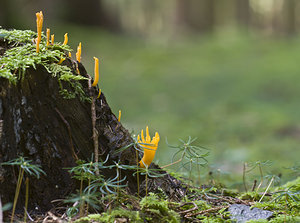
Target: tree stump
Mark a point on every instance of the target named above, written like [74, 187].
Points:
[38, 123]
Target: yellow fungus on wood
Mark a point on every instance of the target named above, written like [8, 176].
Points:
[39, 26]
[96, 72]
[119, 118]
[149, 146]
[65, 39]
[70, 55]
[78, 53]
[99, 94]
[52, 39]
[61, 60]
[48, 36]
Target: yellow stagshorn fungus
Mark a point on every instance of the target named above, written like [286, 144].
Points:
[48, 36]
[78, 53]
[52, 39]
[149, 146]
[65, 39]
[70, 54]
[99, 93]
[39, 25]
[61, 60]
[119, 118]
[96, 77]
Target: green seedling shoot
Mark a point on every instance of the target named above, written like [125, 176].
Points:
[25, 167]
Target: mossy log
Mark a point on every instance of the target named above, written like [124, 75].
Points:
[38, 123]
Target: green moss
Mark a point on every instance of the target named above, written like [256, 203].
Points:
[21, 55]
[130, 216]
[18, 36]
[285, 218]
[250, 195]
[157, 210]
[294, 185]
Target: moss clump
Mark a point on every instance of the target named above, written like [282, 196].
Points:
[129, 216]
[21, 54]
[157, 210]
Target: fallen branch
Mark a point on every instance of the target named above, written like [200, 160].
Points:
[206, 211]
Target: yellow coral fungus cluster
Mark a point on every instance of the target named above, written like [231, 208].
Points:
[149, 146]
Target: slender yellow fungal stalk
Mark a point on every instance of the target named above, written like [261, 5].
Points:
[96, 77]
[99, 93]
[119, 118]
[78, 53]
[48, 37]
[61, 60]
[52, 39]
[150, 147]
[70, 55]
[65, 39]
[39, 25]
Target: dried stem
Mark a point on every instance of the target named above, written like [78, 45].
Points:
[261, 177]
[170, 164]
[244, 176]
[271, 181]
[95, 132]
[20, 177]
[26, 198]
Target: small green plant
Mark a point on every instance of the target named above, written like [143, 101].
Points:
[253, 165]
[189, 156]
[105, 186]
[136, 145]
[80, 200]
[86, 171]
[153, 173]
[25, 166]
[290, 194]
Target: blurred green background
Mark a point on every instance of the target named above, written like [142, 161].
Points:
[226, 72]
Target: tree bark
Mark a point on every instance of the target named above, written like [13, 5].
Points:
[38, 123]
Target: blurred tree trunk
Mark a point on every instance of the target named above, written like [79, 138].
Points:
[197, 15]
[90, 12]
[243, 12]
[225, 13]
[6, 13]
[289, 12]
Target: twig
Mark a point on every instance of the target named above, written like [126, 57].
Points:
[29, 217]
[1, 126]
[261, 177]
[189, 210]
[94, 118]
[254, 185]
[170, 164]
[69, 132]
[266, 190]
[206, 211]
[244, 176]
[1, 212]
[227, 199]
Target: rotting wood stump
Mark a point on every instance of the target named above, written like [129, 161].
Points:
[38, 123]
